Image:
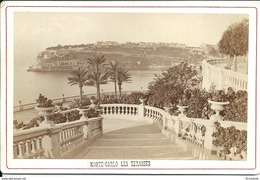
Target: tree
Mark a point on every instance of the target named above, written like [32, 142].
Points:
[168, 88]
[234, 41]
[79, 77]
[98, 72]
[122, 76]
[113, 67]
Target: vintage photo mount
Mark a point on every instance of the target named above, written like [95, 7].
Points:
[80, 166]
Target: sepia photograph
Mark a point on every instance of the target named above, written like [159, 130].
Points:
[123, 88]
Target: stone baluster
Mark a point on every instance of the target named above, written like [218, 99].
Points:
[15, 150]
[210, 129]
[125, 110]
[28, 149]
[34, 148]
[141, 110]
[40, 147]
[108, 110]
[21, 147]
[62, 140]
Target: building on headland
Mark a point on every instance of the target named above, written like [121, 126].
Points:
[208, 48]
[196, 50]
[107, 43]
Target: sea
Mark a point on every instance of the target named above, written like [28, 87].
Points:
[28, 85]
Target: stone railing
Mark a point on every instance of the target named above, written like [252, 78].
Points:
[193, 134]
[136, 112]
[158, 116]
[60, 141]
[63, 140]
[220, 77]
[198, 132]
[22, 107]
[117, 110]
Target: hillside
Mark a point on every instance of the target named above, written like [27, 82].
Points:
[132, 57]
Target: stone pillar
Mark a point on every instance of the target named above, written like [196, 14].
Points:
[141, 109]
[210, 129]
[51, 143]
[177, 127]
[63, 99]
[167, 117]
[20, 106]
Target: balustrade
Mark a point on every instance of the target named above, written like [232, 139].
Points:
[62, 139]
[222, 78]
[55, 142]
[28, 143]
[120, 109]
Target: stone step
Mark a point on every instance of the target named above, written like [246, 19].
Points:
[136, 152]
[132, 142]
[133, 136]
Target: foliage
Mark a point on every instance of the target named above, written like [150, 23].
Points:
[92, 113]
[122, 76]
[237, 109]
[118, 75]
[234, 41]
[113, 67]
[184, 101]
[73, 116]
[170, 86]
[219, 96]
[58, 118]
[98, 72]
[79, 77]
[229, 137]
[75, 103]
[44, 101]
[198, 104]
[132, 98]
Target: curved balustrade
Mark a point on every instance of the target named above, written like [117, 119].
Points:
[28, 143]
[68, 99]
[60, 141]
[222, 78]
[157, 115]
[118, 110]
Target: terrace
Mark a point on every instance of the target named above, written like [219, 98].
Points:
[124, 132]
[132, 131]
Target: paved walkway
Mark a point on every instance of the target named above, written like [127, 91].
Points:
[25, 116]
[132, 140]
[241, 67]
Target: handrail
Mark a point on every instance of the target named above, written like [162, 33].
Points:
[29, 106]
[58, 141]
[21, 135]
[220, 77]
[31, 143]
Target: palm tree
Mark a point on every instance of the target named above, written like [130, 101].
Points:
[79, 77]
[113, 67]
[98, 72]
[122, 76]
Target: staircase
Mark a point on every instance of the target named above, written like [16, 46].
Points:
[139, 140]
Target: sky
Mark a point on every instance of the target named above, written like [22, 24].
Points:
[35, 31]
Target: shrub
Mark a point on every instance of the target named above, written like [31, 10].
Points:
[170, 86]
[198, 104]
[44, 101]
[229, 137]
[237, 109]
